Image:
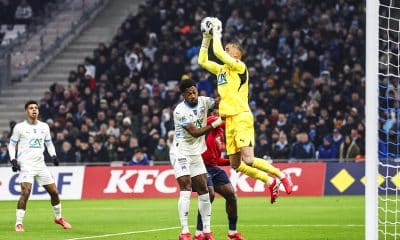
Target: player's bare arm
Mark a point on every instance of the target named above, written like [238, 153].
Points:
[197, 132]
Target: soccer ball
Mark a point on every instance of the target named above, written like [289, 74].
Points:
[206, 25]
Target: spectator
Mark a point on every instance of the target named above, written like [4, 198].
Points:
[348, 150]
[326, 150]
[122, 147]
[139, 158]
[66, 154]
[4, 157]
[263, 149]
[99, 152]
[302, 149]
[281, 148]
[337, 139]
[111, 146]
[112, 128]
[23, 13]
[133, 145]
[161, 153]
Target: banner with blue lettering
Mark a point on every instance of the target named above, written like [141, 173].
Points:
[69, 181]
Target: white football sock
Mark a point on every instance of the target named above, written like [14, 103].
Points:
[231, 232]
[57, 211]
[183, 209]
[20, 213]
[205, 211]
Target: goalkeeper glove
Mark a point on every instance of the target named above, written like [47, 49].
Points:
[216, 27]
[15, 166]
[55, 160]
[216, 123]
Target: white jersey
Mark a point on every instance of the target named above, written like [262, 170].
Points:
[184, 143]
[31, 139]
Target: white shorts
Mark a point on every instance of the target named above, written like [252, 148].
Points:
[184, 165]
[42, 176]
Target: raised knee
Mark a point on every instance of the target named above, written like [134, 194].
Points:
[235, 165]
[247, 159]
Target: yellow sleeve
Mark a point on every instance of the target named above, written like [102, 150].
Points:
[203, 61]
[226, 58]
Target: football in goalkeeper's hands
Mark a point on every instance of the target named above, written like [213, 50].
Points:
[206, 25]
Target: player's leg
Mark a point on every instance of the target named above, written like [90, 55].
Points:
[240, 166]
[45, 179]
[233, 148]
[199, 179]
[223, 186]
[247, 154]
[227, 191]
[199, 229]
[244, 139]
[184, 183]
[21, 205]
[181, 167]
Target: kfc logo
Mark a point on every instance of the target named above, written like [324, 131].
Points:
[135, 181]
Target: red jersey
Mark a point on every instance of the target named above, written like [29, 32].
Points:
[215, 142]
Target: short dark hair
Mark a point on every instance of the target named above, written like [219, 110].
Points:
[185, 84]
[30, 102]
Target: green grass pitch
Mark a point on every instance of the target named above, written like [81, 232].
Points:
[291, 218]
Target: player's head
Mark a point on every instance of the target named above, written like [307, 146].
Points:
[235, 50]
[32, 109]
[189, 91]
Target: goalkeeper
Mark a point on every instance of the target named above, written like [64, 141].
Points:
[233, 88]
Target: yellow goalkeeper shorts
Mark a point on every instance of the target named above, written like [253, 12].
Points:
[239, 131]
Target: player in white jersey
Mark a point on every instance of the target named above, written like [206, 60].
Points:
[190, 120]
[30, 138]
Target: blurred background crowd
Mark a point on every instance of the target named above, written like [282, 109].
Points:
[307, 79]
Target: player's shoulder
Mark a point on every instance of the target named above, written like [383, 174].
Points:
[21, 124]
[180, 108]
[43, 125]
[204, 99]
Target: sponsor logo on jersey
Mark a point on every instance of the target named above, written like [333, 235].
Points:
[35, 143]
[221, 79]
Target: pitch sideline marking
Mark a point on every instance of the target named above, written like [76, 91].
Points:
[255, 225]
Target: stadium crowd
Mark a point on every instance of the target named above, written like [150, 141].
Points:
[22, 11]
[306, 65]
[23, 15]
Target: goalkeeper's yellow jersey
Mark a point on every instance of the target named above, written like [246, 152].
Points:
[232, 80]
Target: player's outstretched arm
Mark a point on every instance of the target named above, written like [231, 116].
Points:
[206, 28]
[197, 132]
[219, 51]
[203, 61]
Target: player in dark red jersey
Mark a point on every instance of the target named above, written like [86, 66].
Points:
[218, 180]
